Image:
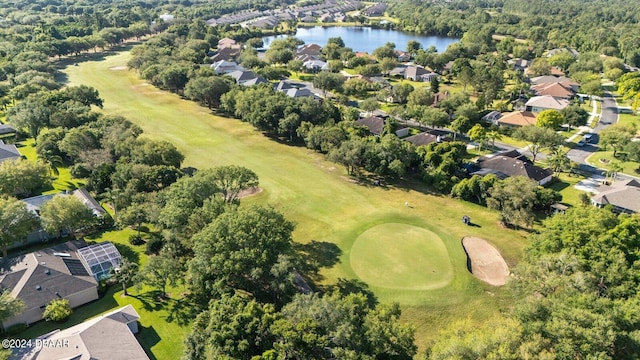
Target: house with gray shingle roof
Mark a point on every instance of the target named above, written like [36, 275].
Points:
[624, 196]
[109, 336]
[6, 129]
[512, 163]
[8, 152]
[540, 103]
[45, 275]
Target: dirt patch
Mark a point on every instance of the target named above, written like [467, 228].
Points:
[485, 262]
[249, 192]
[118, 68]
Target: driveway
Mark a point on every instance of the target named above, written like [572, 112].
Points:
[608, 116]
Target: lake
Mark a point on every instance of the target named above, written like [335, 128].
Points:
[364, 39]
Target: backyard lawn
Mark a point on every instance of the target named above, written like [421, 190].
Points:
[326, 205]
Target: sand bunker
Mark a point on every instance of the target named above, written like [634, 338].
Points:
[485, 262]
[118, 68]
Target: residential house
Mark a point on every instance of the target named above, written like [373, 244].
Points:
[225, 67]
[35, 203]
[167, 18]
[226, 54]
[492, 117]
[512, 163]
[375, 124]
[557, 90]
[6, 129]
[398, 71]
[308, 19]
[402, 56]
[624, 196]
[428, 137]
[308, 52]
[326, 18]
[8, 152]
[45, 275]
[517, 119]
[540, 103]
[109, 336]
[226, 42]
[246, 77]
[375, 10]
[315, 65]
[549, 79]
[519, 64]
[418, 73]
[573, 52]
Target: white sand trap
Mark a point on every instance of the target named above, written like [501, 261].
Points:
[485, 262]
[118, 68]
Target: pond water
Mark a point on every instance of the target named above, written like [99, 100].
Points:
[364, 39]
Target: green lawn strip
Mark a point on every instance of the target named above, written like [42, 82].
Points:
[564, 184]
[629, 119]
[602, 159]
[325, 204]
[513, 141]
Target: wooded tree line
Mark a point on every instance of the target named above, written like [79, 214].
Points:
[608, 27]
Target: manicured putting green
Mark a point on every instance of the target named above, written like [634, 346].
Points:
[402, 257]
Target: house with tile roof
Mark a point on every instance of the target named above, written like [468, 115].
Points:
[45, 275]
[109, 336]
[557, 90]
[517, 119]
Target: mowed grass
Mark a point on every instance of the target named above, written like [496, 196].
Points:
[325, 204]
[401, 256]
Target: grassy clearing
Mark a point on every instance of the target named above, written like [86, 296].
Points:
[602, 159]
[325, 204]
[565, 186]
[60, 182]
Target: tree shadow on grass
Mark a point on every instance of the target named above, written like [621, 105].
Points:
[355, 286]
[152, 300]
[181, 311]
[128, 252]
[325, 254]
[148, 338]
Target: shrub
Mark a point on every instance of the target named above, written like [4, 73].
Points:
[80, 170]
[154, 245]
[136, 239]
[58, 310]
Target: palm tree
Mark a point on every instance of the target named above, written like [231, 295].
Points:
[558, 160]
[54, 162]
[614, 169]
[494, 135]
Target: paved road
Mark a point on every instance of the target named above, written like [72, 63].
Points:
[609, 115]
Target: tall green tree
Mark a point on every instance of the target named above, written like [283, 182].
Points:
[240, 251]
[16, 222]
[22, 177]
[160, 271]
[539, 138]
[65, 212]
[617, 136]
[515, 198]
[551, 119]
[328, 81]
[9, 306]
